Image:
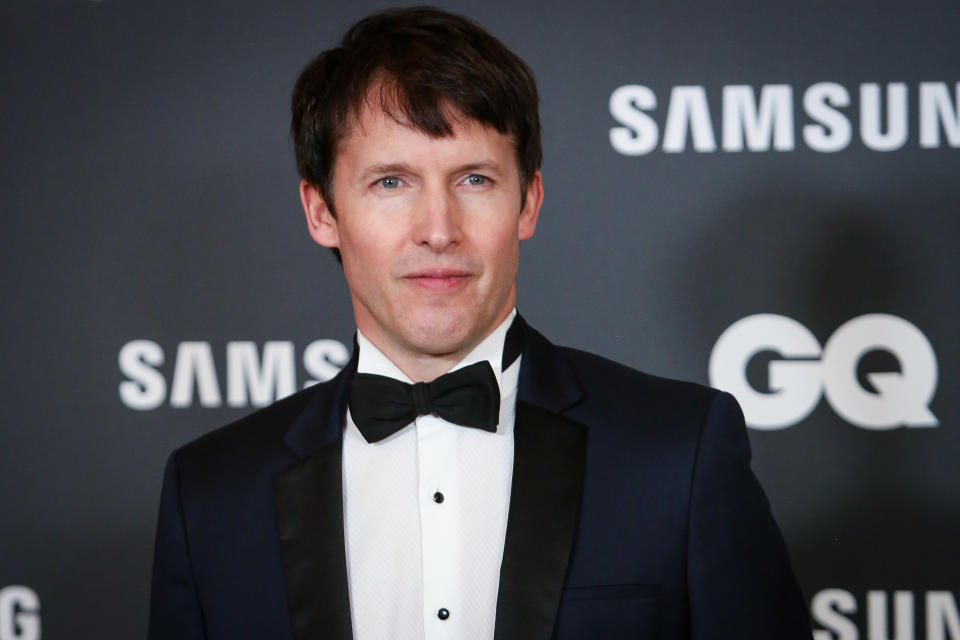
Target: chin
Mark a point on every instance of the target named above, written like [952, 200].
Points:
[438, 335]
[438, 343]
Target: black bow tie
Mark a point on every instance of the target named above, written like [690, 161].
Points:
[469, 397]
[381, 406]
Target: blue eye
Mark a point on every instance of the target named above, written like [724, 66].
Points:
[390, 182]
[476, 180]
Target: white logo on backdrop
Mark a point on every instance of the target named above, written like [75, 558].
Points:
[252, 378]
[19, 613]
[831, 608]
[805, 371]
[753, 123]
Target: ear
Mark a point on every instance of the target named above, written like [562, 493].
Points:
[531, 207]
[320, 220]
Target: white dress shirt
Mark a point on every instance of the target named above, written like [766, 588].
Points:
[425, 514]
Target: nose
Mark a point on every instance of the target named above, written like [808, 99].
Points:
[438, 224]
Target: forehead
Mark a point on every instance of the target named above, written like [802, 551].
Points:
[375, 136]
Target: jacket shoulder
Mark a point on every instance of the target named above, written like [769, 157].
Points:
[248, 442]
[612, 388]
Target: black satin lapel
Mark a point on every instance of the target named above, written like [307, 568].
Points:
[513, 342]
[309, 499]
[321, 421]
[546, 378]
[548, 467]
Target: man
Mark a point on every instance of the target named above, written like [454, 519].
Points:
[528, 491]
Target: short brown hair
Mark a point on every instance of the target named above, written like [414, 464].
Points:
[425, 62]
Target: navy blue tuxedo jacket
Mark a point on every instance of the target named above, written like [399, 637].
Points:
[633, 514]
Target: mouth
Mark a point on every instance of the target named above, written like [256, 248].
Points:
[438, 280]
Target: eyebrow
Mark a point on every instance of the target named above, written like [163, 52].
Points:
[489, 166]
[402, 167]
[384, 169]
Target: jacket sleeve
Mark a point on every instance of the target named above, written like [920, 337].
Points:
[175, 612]
[739, 577]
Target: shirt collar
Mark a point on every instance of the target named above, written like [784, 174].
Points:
[372, 360]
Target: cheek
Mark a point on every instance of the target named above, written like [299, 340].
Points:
[501, 254]
[370, 253]
[361, 236]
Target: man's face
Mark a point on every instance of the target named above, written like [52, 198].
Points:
[428, 230]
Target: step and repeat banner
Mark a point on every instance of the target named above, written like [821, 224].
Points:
[757, 196]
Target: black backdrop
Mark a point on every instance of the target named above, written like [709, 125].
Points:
[705, 163]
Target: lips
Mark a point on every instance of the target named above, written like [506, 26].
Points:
[438, 279]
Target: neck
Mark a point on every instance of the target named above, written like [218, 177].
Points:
[424, 366]
[417, 365]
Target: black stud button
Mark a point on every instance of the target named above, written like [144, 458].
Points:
[438, 498]
[443, 614]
